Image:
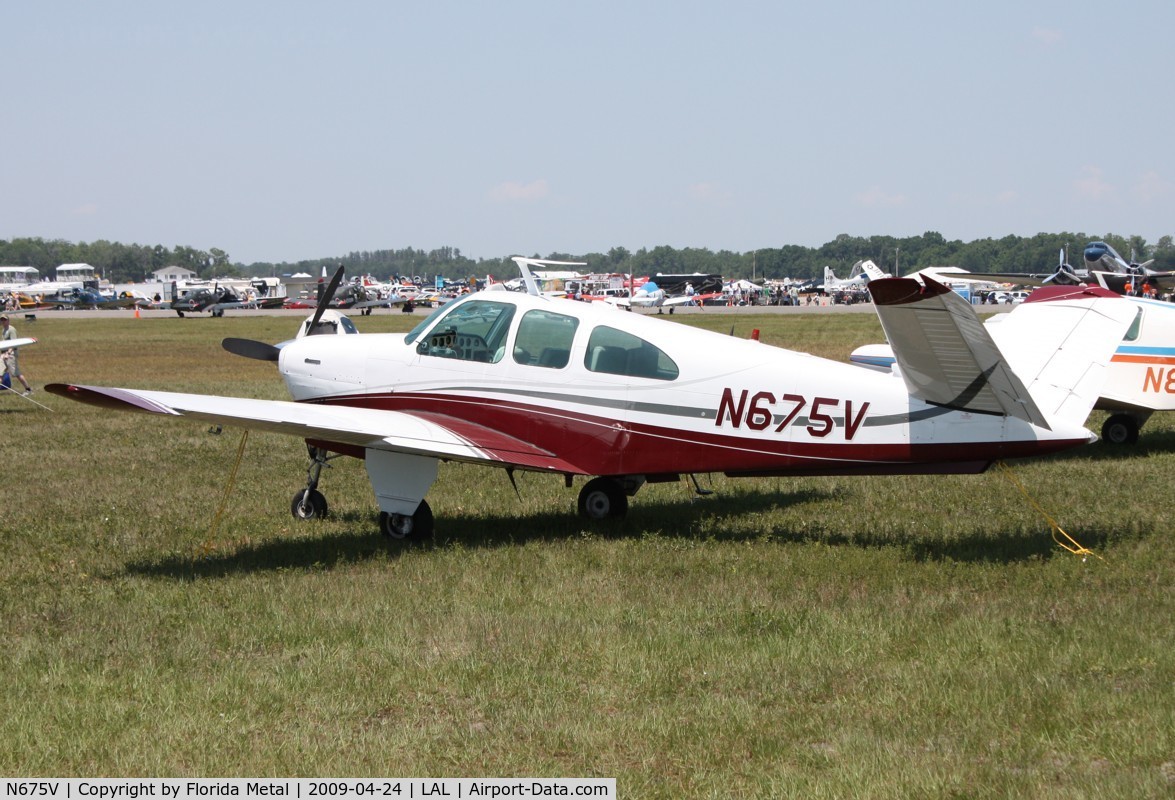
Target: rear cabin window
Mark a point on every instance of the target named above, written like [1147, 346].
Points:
[472, 331]
[544, 339]
[618, 353]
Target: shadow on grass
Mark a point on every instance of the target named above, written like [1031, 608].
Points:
[361, 541]
[705, 519]
[1150, 442]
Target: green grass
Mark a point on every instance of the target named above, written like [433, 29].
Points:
[865, 637]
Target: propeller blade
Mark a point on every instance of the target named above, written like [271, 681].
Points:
[251, 348]
[325, 298]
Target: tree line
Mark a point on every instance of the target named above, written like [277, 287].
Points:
[126, 263]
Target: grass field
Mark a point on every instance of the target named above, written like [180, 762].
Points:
[853, 637]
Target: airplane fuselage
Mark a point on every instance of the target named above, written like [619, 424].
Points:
[615, 394]
[1142, 370]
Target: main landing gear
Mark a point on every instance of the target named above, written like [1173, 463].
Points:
[602, 498]
[1122, 429]
[416, 528]
[607, 497]
[309, 503]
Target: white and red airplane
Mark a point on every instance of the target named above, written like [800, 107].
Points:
[524, 382]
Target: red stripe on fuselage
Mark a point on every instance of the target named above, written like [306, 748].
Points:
[598, 445]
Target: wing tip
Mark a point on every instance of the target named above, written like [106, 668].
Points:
[103, 397]
[902, 291]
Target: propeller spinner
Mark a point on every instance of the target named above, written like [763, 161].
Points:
[263, 351]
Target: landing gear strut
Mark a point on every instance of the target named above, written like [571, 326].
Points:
[309, 503]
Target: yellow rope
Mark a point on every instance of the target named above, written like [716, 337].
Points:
[207, 547]
[1073, 546]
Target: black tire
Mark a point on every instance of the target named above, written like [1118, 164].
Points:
[602, 498]
[415, 528]
[1120, 429]
[308, 505]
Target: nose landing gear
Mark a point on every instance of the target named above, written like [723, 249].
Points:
[309, 503]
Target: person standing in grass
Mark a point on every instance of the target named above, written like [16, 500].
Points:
[11, 364]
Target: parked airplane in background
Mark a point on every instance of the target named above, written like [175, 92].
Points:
[86, 298]
[1102, 266]
[357, 297]
[1064, 275]
[1117, 274]
[523, 382]
[1140, 379]
[216, 299]
[1100, 256]
[650, 295]
[860, 275]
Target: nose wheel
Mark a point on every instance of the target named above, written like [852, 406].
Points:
[309, 503]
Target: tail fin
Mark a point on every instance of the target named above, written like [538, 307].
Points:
[829, 278]
[1044, 363]
[872, 271]
[945, 356]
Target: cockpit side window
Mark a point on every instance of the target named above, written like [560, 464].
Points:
[422, 326]
[544, 339]
[472, 331]
[618, 353]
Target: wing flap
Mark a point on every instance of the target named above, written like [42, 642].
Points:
[424, 434]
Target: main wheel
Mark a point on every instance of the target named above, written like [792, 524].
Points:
[308, 505]
[1120, 429]
[416, 528]
[602, 498]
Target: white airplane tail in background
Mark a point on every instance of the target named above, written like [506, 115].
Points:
[1061, 342]
[873, 271]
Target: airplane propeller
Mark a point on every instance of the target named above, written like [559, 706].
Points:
[1065, 273]
[251, 348]
[263, 351]
[325, 298]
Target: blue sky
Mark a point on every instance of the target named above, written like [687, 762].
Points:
[288, 131]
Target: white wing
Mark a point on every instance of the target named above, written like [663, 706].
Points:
[12, 344]
[415, 433]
